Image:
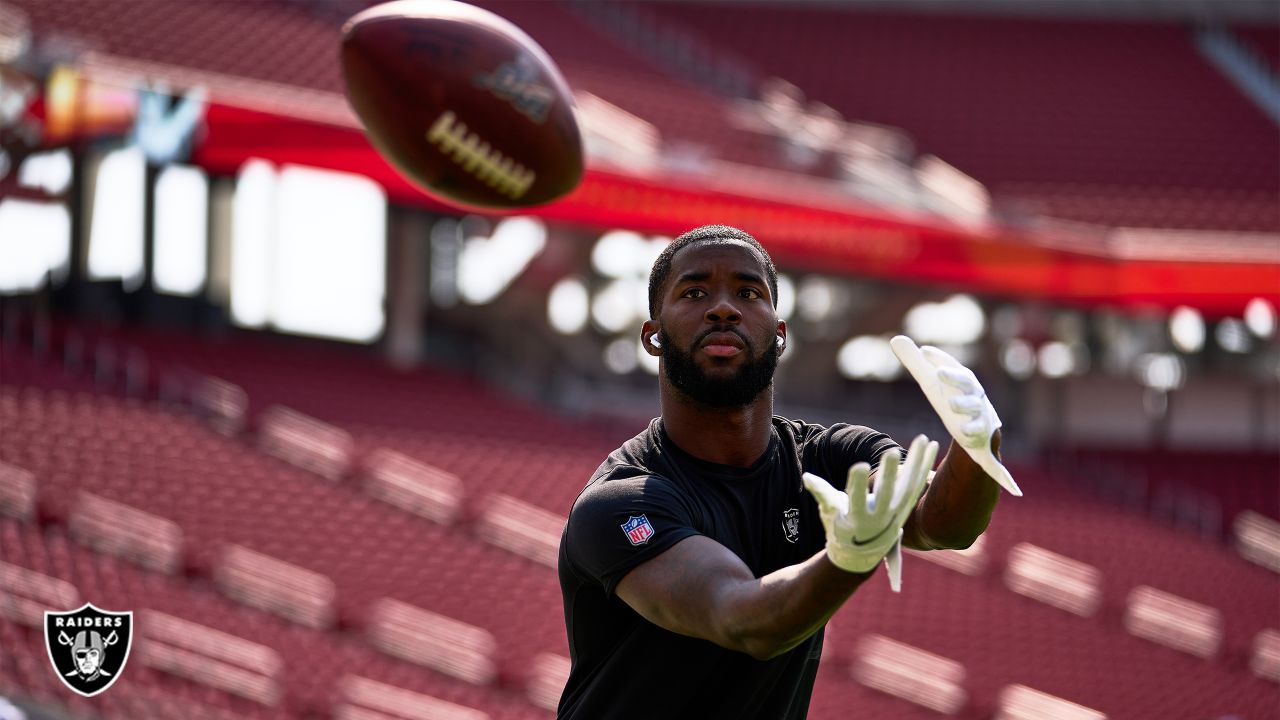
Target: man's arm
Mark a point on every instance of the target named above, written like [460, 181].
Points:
[957, 507]
[701, 589]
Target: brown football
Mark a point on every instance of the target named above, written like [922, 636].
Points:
[462, 102]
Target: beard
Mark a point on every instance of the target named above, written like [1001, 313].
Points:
[734, 391]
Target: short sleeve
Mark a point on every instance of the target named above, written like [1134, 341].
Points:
[618, 524]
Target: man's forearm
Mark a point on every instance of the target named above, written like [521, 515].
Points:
[772, 614]
[957, 507]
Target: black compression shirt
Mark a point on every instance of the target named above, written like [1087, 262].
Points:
[646, 497]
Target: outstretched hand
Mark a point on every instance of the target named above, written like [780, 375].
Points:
[961, 403]
[864, 526]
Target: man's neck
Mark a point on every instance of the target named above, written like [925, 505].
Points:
[728, 436]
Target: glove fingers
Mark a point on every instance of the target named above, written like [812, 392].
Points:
[962, 379]
[880, 514]
[827, 497]
[860, 499]
[926, 374]
[939, 358]
[913, 360]
[919, 463]
[967, 404]
[904, 484]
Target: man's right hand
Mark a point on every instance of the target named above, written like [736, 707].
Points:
[862, 526]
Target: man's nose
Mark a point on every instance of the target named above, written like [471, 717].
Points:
[723, 311]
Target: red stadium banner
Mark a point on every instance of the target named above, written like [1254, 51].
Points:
[856, 239]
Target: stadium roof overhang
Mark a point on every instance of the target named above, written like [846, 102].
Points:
[804, 227]
[1076, 267]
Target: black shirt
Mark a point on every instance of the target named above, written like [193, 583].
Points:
[646, 497]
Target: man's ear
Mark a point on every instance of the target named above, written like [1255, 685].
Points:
[781, 336]
[651, 338]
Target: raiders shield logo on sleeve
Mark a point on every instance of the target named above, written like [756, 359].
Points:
[88, 647]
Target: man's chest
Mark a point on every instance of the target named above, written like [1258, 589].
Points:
[768, 528]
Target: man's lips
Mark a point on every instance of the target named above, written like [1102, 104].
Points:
[722, 344]
[721, 350]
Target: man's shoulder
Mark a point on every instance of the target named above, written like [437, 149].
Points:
[633, 468]
[805, 432]
[819, 446]
[631, 457]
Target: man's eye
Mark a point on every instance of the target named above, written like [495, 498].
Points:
[694, 293]
[750, 293]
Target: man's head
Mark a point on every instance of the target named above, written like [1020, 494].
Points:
[714, 323]
[88, 650]
[706, 234]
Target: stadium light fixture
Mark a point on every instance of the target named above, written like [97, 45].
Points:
[786, 297]
[868, 357]
[614, 307]
[1186, 329]
[568, 306]
[1161, 371]
[617, 254]
[815, 298]
[958, 320]
[620, 355]
[1055, 359]
[1260, 316]
[1018, 359]
[1233, 336]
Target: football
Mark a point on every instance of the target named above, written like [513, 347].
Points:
[463, 103]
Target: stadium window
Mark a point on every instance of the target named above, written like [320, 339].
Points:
[329, 266]
[182, 230]
[35, 239]
[308, 252]
[115, 235]
[48, 171]
[252, 230]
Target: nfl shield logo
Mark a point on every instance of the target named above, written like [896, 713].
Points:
[638, 529]
[88, 647]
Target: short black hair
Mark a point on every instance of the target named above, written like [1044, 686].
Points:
[706, 233]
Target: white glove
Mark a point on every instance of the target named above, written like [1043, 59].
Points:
[863, 527]
[958, 398]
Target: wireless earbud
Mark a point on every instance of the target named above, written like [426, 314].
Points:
[779, 341]
[655, 340]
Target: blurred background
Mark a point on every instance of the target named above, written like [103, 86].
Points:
[320, 432]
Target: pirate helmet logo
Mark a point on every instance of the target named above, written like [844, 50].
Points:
[88, 647]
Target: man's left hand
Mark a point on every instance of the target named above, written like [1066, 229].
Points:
[961, 403]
